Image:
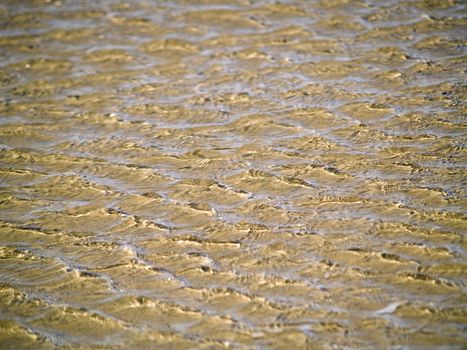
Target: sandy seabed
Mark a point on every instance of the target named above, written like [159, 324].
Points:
[233, 174]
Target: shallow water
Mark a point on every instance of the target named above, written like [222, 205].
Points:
[243, 174]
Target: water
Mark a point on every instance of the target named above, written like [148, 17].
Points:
[218, 174]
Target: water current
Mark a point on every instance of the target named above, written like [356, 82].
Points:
[214, 174]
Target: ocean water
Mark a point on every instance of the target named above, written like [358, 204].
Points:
[213, 174]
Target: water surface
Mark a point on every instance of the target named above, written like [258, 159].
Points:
[208, 174]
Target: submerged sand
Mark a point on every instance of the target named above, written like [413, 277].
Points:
[232, 174]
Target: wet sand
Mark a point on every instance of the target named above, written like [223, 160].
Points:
[218, 174]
